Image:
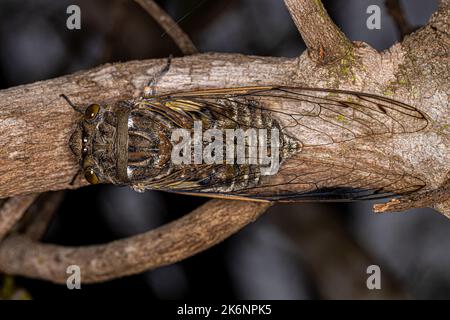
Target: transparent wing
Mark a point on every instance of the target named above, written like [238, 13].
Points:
[317, 118]
[322, 115]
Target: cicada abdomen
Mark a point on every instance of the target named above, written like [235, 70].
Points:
[270, 143]
[184, 145]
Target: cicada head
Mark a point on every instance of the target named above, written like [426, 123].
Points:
[93, 143]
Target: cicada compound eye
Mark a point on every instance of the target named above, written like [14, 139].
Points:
[91, 176]
[91, 112]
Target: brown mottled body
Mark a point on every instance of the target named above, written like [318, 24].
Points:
[151, 124]
[131, 143]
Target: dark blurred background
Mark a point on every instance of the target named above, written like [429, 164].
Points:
[300, 251]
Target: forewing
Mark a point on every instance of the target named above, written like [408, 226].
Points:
[315, 117]
[319, 116]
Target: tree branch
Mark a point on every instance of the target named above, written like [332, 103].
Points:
[325, 42]
[170, 27]
[204, 227]
[396, 12]
[41, 214]
[12, 210]
[35, 123]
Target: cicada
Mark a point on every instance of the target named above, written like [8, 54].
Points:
[257, 143]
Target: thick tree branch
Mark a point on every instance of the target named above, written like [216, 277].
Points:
[325, 42]
[35, 123]
[195, 232]
[170, 27]
[425, 52]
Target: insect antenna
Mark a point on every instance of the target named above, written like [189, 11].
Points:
[79, 109]
[150, 88]
[72, 182]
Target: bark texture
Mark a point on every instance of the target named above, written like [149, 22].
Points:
[325, 42]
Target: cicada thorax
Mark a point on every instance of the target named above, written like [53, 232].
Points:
[149, 147]
[151, 143]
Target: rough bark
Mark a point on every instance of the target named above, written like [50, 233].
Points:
[325, 42]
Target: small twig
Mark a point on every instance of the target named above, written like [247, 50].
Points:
[181, 39]
[12, 210]
[325, 42]
[42, 213]
[396, 12]
[202, 228]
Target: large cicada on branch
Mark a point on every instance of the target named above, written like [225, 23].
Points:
[258, 143]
